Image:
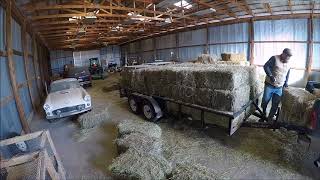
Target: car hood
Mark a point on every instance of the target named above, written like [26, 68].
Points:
[65, 98]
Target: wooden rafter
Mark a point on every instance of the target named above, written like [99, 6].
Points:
[219, 10]
[267, 6]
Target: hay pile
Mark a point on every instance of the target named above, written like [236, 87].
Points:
[140, 142]
[135, 164]
[297, 104]
[190, 171]
[219, 86]
[234, 57]
[93, 118]
[135, 126]
[141, 148]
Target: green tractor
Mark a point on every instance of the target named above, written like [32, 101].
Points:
[95, 68]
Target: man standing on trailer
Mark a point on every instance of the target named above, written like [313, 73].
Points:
[277, 69]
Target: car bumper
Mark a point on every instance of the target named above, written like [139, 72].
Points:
[70, 113]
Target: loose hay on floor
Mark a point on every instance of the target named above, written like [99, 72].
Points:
[140, 142]
[135, 126]
[93, 118]
[191, 171]
[135, 164]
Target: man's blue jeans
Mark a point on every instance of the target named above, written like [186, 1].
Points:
[274, 93]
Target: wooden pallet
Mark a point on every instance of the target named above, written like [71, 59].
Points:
[44, 163]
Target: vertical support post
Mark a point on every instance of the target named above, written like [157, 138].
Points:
[310, 45]
[177, 46]
[207, 50]
[251, 41]
[35, 62]
[11, 69]
[154, 49]
[202, 119]
[26, 61]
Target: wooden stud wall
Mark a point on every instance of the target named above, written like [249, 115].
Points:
[12, 11]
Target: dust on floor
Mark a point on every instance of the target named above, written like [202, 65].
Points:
[248, 154]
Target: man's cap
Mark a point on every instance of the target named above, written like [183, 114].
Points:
[287, 51]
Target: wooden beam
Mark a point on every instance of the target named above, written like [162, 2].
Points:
[35, 63]
[218, 10]
[290, 6]
[267, 6]
[251, 41]
[11, 68]
[310, 45]
[26, 62]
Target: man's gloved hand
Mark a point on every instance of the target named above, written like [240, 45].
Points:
[285, 85]
[272, 79]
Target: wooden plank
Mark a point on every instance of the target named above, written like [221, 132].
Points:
[60, 166]
[251, 41]
[3, 53]
[19, 159]
[41, 170]
[35, 62]
[5, 100]
[20, 138]
[26, 60]
[51, 170]
[310, 45]
[11, 68]
[19, 53]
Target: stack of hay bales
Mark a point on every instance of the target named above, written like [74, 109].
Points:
[297, 104]
[218, 86]
[141, 147]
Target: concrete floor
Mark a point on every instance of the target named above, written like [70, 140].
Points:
[249, 154]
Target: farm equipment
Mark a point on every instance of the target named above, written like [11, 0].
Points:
[95, 69]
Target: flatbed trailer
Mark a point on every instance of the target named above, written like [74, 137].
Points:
[154, 107]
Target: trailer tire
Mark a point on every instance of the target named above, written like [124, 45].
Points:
[134, 104]
[148, 111]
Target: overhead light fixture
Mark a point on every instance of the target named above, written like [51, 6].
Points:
[183, 4]
[90, 18]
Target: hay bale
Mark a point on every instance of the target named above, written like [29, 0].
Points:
[135, 126]
[206, 59]
[230, 100]
[135, 164]
[190, 171]
[140, 142]
[297, 105]
[234, 57]
[241, 63]
[93, 118]
[293, 99]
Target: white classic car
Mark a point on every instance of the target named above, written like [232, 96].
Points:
[66, 98]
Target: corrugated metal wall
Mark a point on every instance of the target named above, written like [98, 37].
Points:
[58, 59]
[110, 53]
[232, 38]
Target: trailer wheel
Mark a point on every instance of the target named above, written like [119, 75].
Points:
[134, 105]
[148, 111]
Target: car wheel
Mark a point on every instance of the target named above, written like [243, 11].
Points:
[148, 111]
[134, 104]
[19, 147]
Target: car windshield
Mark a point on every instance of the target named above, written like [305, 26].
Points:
[78, 71]
[64, 86]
